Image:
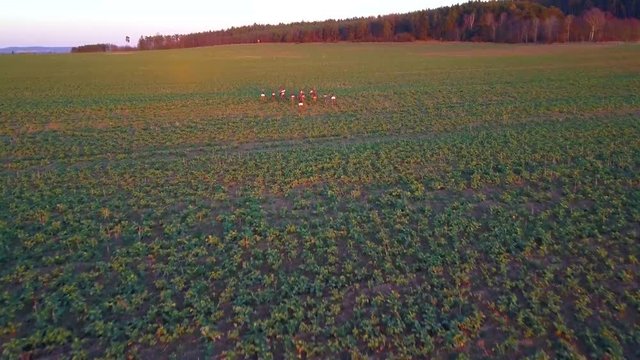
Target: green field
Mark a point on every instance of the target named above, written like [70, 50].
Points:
[458, 200]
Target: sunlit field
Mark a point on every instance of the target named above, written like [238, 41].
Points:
[466, 200]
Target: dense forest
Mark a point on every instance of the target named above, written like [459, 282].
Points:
[538, 21]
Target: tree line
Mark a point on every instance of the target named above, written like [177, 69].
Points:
[100, 48]
[537, 21]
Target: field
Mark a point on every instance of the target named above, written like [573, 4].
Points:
[457, 201]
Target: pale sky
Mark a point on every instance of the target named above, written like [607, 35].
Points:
[79, 22]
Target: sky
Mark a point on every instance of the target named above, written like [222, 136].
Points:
[79, 22]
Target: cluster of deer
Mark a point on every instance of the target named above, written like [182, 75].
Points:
[300, 99]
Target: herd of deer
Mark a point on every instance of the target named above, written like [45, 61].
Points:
[301, 98]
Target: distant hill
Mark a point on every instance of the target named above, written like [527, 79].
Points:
[35, 50]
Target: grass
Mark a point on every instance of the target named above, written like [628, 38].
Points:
[468, 200]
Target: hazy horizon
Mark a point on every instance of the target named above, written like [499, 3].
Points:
[74, 23]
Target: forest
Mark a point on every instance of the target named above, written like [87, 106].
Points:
[540, 21]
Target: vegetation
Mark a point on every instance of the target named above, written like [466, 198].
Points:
[459, 199]
[100, 48]
[547, 21]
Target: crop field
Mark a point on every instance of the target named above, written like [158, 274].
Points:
[457, 201]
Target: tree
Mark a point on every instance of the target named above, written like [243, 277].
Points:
[503, 21]
[568, 20]
[451, 25]
[361, 30]
[331, 31]
[596, 20]
[468, 21]
[387, 29]
[550, 25]
[490, 22]
[535, 23]
[421, 29]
